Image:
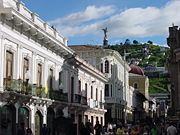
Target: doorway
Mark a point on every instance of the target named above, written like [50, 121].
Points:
[38, 123]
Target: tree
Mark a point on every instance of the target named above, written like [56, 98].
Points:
[127, 42]
[135, 42]
[149, 42]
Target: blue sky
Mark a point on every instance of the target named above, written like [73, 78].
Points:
[81, 21]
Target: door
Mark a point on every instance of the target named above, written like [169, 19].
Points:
[50, 120]
[23, 116]
[7, 120]
[38, 123]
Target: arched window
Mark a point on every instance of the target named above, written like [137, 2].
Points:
[135, 85]
[106, 66]
[102, 67]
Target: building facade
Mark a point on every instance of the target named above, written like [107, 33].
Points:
[39, 83]
[140, 83]
[116, 70]
[173, 42]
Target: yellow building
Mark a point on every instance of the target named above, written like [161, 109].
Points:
[140, 82]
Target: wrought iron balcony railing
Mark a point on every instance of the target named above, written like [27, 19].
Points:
[77, 98]
[58, 95]
[83, 100]
[22, 87]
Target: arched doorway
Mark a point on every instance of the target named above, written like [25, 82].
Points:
[7, 120]
[23, 116]
[50, 120]
[38, 123]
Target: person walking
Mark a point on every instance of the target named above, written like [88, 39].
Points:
[154, 131]
[135, 131]
[21, 129]
[89, 127]
[171, 130]
[29, 131]
[120, 130]
[45, 130]
[98, 128]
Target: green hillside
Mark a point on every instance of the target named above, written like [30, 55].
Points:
[147, 55]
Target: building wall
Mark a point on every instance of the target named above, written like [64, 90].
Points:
[40, 44]
[118, 76]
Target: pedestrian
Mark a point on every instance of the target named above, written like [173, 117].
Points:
[83, 130]
[120, 130]
[171, 130]
[109, 127]
[154, 131]
[134, 131]
[45, 130]
[89, 127]
[29, 131]
[21, 129]
[98, 128]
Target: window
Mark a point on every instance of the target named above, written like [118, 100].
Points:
[25, 69]
[86, 90]
[101, 96]
[111, 68]
[60, 78]
[91, 92]
[39, 74]
[111, 90]
[107, 90]
[106, 66]
[9, 64]
[72, 88]
[79, 86]
[102, 67]
[96, 94]
[135, 85]
[50, 78]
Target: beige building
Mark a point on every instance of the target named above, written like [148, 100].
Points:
[116, 70]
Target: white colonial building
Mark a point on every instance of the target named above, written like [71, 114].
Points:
[42, 81]
[116, 70]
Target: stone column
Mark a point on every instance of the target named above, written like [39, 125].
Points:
[19, 64]
[46, 71]
[44, 114]
[33, 71]
[32, 118]
[2, 62]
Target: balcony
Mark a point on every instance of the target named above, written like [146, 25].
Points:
[58, 95]
[77, 98]
[22, 87]
[101, 105]
[83, 100]
[80, 99]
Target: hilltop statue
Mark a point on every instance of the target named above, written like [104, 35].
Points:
[105, 33]
[105, 41]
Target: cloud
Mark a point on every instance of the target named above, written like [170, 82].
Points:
[90, 13]
[132, 22]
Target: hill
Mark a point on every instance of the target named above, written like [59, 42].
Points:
[152, 59]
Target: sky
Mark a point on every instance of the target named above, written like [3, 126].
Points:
[82, 21]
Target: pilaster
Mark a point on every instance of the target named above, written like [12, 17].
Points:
[19, 62]
[2, 61]
[33, 71]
